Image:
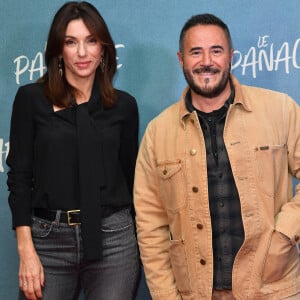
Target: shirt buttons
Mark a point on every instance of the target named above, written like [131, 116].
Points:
[202, 262]
[195, 189]
[193, 152]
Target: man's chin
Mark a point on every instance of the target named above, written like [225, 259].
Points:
[208, 92]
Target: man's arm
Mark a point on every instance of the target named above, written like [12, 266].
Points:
[288, 219]
[152, 224]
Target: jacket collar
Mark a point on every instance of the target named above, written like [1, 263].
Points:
[240, 98]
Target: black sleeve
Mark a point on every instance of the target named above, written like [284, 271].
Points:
[20, 158]
[129, 141]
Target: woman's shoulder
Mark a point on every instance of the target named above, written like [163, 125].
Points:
[32, 88]
[31, 95]
[124, 96]
[124, 99]
[31, 92]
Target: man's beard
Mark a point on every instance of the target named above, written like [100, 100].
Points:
[208, 92]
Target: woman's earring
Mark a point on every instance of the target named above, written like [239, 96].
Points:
[60, 69]
[102, 65]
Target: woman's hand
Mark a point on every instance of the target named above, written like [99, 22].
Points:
[31, 273]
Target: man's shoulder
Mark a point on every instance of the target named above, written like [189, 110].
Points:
[166, 121]
[168, 113]
[259, 97]
[262, 93]
[255, 95]
[260, 90]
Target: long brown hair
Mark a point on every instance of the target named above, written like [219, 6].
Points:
[57, 88]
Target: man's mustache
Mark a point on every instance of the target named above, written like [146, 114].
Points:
[206, 70]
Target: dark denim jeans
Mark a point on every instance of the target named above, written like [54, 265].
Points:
[59, 247]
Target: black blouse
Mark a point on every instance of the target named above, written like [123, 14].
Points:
[82, 157]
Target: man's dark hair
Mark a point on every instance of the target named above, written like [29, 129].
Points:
[203, 19]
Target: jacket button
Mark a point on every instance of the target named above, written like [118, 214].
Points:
[195, 189]
[202, 262]
[199, 226]
[193, 152]
[165, 172]
[297, 238]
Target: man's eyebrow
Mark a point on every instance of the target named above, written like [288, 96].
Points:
[217, 47]
[200, 48]
[195, 49]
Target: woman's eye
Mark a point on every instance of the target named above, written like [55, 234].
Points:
[92, 41]
[70, 43]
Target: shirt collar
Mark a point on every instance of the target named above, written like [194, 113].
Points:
[190, 107]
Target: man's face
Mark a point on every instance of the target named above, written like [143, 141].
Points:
[206, 60]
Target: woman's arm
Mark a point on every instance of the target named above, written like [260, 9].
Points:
[31, 273]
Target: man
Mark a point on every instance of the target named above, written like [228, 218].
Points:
[216, 218]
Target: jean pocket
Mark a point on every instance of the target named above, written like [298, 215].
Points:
[118, 221]
[40, 228]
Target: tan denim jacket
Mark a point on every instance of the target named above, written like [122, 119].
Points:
[262, 137]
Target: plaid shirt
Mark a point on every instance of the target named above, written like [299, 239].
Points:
[224, 202]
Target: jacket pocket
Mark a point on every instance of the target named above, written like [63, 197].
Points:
[179, 266]
[281, 258]
[271, 165]
[172, 184]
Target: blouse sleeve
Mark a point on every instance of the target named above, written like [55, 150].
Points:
[129, 141]
[20, 158]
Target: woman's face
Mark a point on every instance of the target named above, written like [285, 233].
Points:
[82, 52]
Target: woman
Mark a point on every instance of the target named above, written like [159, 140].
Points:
[73, 145]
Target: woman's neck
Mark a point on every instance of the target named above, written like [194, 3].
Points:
[84, 87]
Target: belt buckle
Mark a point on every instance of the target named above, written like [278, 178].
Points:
[69, 217]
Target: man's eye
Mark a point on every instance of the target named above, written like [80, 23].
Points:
[195, 53]
[217, 51]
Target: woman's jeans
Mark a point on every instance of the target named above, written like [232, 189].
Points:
[59, 247]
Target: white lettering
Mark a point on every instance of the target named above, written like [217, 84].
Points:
[267, 56]
[117, 47]
[295, 49]
[4, 149]
[36, 66]
[262, 41]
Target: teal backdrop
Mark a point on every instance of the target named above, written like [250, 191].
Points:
[266, 38]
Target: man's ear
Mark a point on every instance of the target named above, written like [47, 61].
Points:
[180, 58]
